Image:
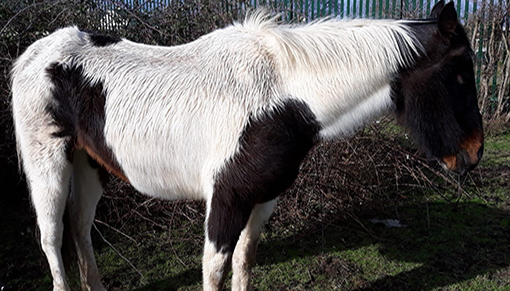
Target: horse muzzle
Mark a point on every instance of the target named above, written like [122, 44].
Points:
[469, 156]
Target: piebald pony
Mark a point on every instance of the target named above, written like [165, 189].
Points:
[227, 118]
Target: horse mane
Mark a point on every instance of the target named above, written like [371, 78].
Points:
[312, 46]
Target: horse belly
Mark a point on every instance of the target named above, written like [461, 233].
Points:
[162, 171]
[177, 157]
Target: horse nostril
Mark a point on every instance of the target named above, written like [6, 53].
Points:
[449, 163]
[480, 153]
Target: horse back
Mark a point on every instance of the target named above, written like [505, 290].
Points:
[164, 119]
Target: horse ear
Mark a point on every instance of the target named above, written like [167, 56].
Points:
[436, 10]
[448, 20]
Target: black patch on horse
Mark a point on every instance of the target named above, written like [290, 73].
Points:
[78, 110]
[271, 149]
[100, 40]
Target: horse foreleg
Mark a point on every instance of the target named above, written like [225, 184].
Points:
[246, 248]
[86, 192]
[227, 215]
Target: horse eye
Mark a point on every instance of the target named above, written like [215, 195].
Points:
[460, 79]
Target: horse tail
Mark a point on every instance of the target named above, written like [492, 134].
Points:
[17, 71]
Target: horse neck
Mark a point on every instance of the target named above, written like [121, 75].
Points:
[344, 69]
[344, 102]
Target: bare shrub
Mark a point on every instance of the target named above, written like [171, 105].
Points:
[174, 23]
[371, 172]
[489, 28]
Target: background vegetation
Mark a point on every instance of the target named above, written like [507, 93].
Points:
[324, 235]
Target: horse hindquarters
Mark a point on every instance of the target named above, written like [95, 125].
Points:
[45, 150]
[44, 159]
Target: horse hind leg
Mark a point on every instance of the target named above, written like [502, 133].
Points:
[86, 190]
[48, 173]
[48, 170]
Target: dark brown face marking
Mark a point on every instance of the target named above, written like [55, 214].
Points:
[272, 148]
[78, 109]
[450, 162]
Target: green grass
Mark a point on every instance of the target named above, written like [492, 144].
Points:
[461, 246]
[497, 149]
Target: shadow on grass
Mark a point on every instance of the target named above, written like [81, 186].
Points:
[187, 278]
[449, 244]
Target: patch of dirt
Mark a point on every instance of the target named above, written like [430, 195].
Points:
[335, 267]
